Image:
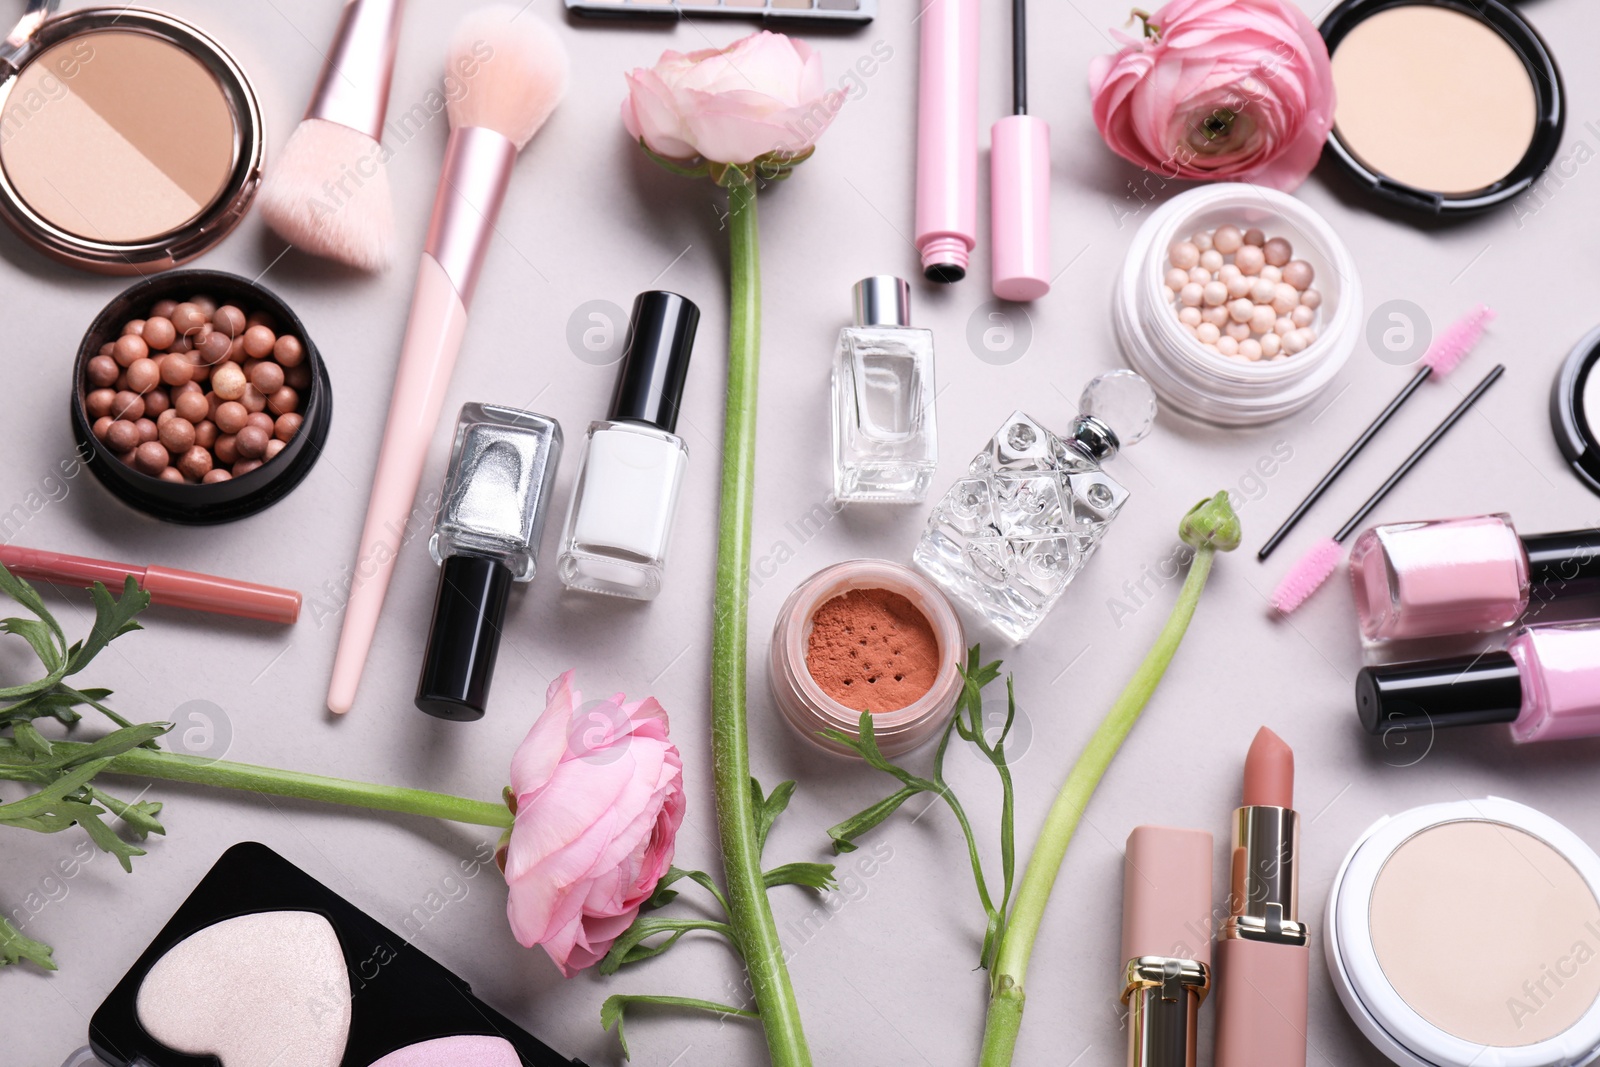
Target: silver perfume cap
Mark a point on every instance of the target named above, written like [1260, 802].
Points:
[882, 300]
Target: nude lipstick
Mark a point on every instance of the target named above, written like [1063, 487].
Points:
[1263, 959]
[1166, 941]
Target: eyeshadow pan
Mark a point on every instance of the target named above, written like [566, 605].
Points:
[134, 138]
[1433, 98]
[820, 11]
[467, 1050]
[1488, 933]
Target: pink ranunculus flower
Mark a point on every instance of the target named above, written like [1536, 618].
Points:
[762, 96]
[1235, 90]
[598, 795]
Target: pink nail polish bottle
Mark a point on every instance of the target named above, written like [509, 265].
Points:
[1463, 576]
[1546, 685]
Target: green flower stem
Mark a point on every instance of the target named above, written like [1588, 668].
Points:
[174, 767]
[1210, 526]
[749, 912]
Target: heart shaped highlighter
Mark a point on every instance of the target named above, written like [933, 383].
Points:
[461, 1051]
[262, 990]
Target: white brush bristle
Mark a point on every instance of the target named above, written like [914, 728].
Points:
[1307, 576]
[513, 70]
[328, 194]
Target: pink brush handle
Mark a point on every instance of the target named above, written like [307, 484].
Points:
[947, 136]
[1019, 202]
[433, 340]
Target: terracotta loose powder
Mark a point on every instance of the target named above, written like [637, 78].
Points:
[873, 650]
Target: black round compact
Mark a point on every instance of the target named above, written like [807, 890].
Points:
[1575, 410]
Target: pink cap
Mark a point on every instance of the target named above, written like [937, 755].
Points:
[1019, 198]
[1166, 894]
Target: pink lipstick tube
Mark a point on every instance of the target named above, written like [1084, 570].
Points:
[947, 139]
[1166, 941]
[1263, 959]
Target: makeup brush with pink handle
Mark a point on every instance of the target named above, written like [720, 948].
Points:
[512, 71]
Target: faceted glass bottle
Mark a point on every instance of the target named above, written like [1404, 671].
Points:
[885, 444]
[1007, 539]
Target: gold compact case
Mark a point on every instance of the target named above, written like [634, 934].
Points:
[130, 142]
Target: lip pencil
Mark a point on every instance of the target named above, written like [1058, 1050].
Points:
[167, 586]
[1263, 959]
[514, 71]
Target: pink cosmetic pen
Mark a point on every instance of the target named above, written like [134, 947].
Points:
[947, 138]
[1019, 184]
[1546, 685]
[1263, 959]
[1166, 943]
[1464, 576]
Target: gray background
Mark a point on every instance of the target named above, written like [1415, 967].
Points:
[885, 971]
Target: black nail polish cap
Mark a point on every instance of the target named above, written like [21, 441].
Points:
[468, 613]
[1464, 691]
[655, 360]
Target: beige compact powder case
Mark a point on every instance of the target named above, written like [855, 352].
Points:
[129, 140]
[1467, 934]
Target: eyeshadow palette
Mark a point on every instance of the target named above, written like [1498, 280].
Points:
[816, 11]
[263, 966]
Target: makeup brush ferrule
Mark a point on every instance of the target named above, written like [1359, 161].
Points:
[353, 89]
[472, 186]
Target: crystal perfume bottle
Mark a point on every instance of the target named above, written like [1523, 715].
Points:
[885, 446]
[1008, 538]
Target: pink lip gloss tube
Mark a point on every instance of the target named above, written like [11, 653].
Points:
[1545, 685]
[1166, 943]
[1463, 576]
[947, 138]
[1263, 958]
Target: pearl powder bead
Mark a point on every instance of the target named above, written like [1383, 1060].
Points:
[1207, 333]
[1250, 349]
[1255, 237]
[1227, 239]
[1302, 316]
[1227, 346]
[1190, 330]
[1238, 286]
[1216, 293]
[1209, 348]
[1189, 316]
[1191, 294]
[1177, 279]
[1211, 260]
[1294, 341]
[1285, 298]
[1216, 316]
[1227, 272]
[1169, 294]
[1199, 274]
[1184, 255]
[1272, 274]
[1250, 259]
[1311, 298]
[1237, 330]
[1271, 344]
[1284, 326]
[1278, 251]
[1261, 291]
[1241, 310]
[1201, 241]
[1261, 318]
[1309, 334]
[1299, 274]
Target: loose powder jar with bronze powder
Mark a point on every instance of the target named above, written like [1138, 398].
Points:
[129, 140]
[867, 636]
[1467, 934]
[1445, 106]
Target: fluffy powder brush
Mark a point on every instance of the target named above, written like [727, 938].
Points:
[328, 192]
[513, 73]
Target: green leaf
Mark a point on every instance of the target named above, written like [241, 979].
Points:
[664, 896]
[140, 815]
[630, 947]
[14, 948]
[844, 834]
[113, 744]
[769, 808]
[809, 875]
[611, 1011]
[39, 637]
[113, 618]
[88, 817]
[30, 740]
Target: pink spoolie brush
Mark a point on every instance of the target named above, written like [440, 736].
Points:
[1314, 568]
[1443, 356]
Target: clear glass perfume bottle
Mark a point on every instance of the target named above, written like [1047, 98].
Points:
[626, 495]
[1008, 538]
[885, 444]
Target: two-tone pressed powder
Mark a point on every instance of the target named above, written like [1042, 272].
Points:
[867, 636]
[1449, 106]
[1468, 933]
[128, 139]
